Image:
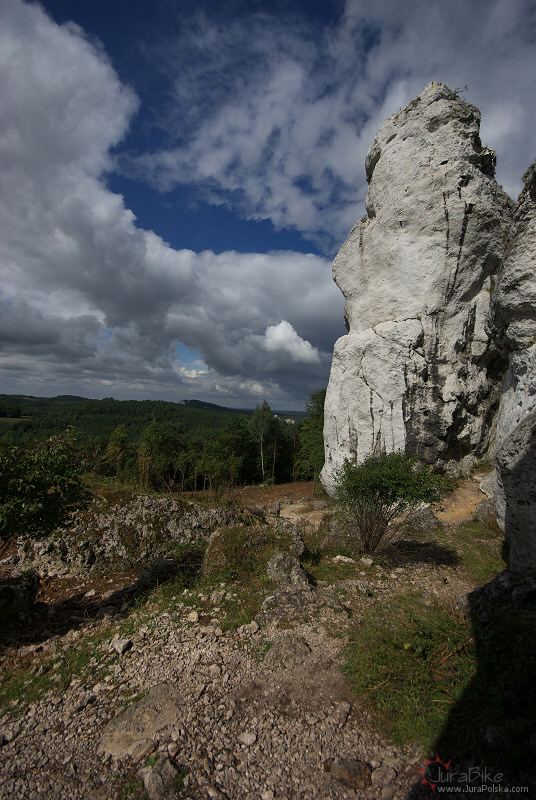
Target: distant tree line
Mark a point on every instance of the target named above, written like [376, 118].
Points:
[10, 408]
[176, 447]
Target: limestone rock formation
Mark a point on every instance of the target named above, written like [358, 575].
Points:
[512, 321]
[417, 371]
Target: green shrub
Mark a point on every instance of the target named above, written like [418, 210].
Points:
[40, 487]
[381, 490]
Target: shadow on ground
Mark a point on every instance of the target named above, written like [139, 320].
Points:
[407, 552]
[47, 620]
[488, 743]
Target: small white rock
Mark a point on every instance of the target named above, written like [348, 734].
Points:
[120, 645]
[343, 560]
[248, 738]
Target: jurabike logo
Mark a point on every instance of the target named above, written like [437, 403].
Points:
[434, 772]
[475, 780]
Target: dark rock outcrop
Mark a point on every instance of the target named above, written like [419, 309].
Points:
[512, 322]
[18, 594]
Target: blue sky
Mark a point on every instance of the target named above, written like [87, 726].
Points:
[176, 177]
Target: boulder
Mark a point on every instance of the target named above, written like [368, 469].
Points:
[119, 535]
[136, 731]
[286, 570]
[292, 605]
[423, 519]
[417, 370]
[350, 772]
[485, 512]
[287, 652]
[488, 485]
[160, 780]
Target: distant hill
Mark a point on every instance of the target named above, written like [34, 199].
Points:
[24, 418]
[213, 407]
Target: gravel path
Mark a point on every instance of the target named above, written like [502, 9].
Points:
[244, 729]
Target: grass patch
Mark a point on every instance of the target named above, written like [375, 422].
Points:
[410, 662]
[85, 659]
[325, 569]
[482, 548]
[23, 686]
[133, 789]
[246, 603]
[493, 721]
[240, 552]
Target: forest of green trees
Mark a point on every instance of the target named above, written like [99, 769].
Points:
[172, 447]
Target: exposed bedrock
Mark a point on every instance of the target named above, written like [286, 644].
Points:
[512, 322]
[417, 370]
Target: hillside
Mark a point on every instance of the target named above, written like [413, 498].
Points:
[262, 688]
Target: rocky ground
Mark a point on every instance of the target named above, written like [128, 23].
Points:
[172, 705]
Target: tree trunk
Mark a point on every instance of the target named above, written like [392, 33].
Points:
[262, 462]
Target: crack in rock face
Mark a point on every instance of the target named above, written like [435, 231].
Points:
[417, 370]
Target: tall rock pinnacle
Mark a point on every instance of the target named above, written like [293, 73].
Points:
[417, 370]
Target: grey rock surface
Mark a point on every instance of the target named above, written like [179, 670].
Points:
[512, 321]
[287, 652]
[132, 732]
[423, 519]
[516, 493]
[159, 780]
[417, 370]
[351, 772]
[488, 484]
[485, 511]
[291, 604]
[286, 570]
[121, 535]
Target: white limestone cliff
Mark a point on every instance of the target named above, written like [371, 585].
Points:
[417, 370]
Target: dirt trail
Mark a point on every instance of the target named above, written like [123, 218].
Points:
[460, 506]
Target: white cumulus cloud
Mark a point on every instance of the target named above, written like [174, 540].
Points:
[283, 338]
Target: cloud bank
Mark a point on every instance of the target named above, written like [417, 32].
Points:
[268, 115]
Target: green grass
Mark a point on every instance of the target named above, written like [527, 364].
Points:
[241, 552]
[21, 684]
[133, 790]
[410, 662]
[501, 695]
[241, 609]
[325, 569]
[461, 685]
[482, 550]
